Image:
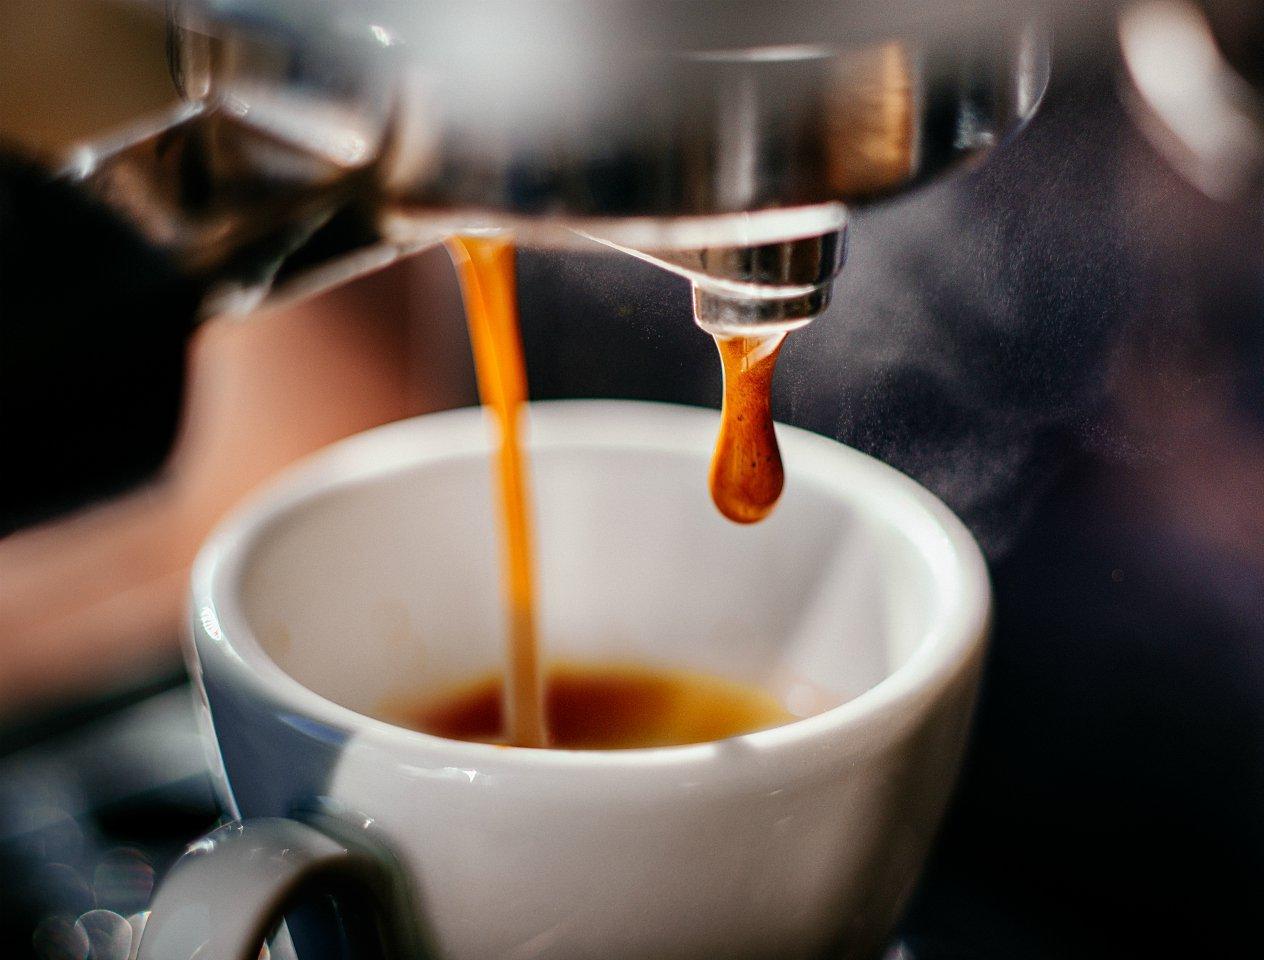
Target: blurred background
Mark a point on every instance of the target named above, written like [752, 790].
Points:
[1065, 344]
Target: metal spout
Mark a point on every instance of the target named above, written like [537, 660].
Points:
[729, 315]
[767, 287]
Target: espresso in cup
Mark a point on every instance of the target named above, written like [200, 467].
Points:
[603, 707]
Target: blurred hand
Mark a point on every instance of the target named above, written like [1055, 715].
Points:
[95, 601]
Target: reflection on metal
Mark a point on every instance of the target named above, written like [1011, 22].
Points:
[776, 286]
[872, 146]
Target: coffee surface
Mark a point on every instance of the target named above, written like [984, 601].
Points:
[603, 707]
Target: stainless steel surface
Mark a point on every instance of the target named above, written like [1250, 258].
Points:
[776, 286]
[716, 139]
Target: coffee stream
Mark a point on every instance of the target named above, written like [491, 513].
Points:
[746, 472]
[486, 269]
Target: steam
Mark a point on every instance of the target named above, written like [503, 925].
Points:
[970, 342]
[971, 337]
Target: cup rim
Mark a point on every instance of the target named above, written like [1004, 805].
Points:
[958, 569]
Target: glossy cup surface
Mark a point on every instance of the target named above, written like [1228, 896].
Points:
[370, 572]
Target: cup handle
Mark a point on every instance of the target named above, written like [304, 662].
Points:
[230, 890]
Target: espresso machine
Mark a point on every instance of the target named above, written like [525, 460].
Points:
[728, 143]
[723, 142]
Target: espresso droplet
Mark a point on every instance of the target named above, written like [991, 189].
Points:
[746, 472]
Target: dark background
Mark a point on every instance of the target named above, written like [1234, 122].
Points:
[1064, 344]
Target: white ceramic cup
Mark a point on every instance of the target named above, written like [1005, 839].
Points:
[371, 572]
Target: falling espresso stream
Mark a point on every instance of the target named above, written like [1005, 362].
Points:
[485, 266]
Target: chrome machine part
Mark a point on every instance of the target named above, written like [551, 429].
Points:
[721, 140]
